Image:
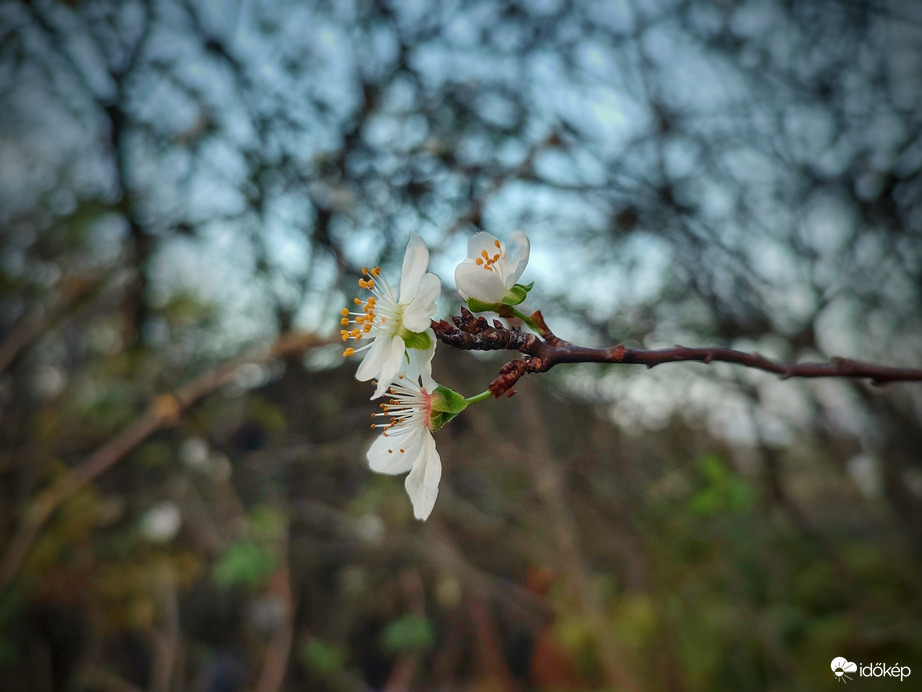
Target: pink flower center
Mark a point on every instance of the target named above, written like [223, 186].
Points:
[427, 407]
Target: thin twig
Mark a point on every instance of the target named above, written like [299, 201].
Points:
[275, 662]
[165, 410]
[547, 350]
[166, 639]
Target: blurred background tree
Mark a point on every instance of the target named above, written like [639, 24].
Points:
[187, 194]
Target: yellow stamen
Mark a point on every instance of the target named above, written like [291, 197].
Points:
[344, 321]
[496, 243]
[349, 352]
[344, 312]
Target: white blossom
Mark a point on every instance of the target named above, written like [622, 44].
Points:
[394, 327]
[489, 271]
[406, 443]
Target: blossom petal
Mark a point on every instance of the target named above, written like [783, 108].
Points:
[423, 482]
[479, 242]
[392, 362]
[415, 262]
[474, 281]
[370, 367]
[519, 257]
[418, 314]
[420, 365]
[384, 455]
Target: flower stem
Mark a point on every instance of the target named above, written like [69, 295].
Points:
[479, 397]
[510, 311]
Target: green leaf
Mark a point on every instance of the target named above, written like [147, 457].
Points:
[517, 294]
[245, 562]
[721, 492]
[409, 632]
[475, 305]
[322, 657]
[419, 340]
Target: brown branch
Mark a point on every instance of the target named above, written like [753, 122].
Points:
[166, 639]
[164, 411]
[275, 661]
[544, 352]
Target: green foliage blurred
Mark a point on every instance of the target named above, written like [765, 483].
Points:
[324, 659]
[722, 492]
[245, 562]
[408, 633]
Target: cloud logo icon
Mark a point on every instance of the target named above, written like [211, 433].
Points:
[841, 666]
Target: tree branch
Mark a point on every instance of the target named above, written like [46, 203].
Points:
[547, 350]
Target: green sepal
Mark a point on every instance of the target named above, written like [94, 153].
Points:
[475, 305]
[418, 340]
[446, 404]
[439, 418]
[517, 293]
[514, 296]
[447, 400]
